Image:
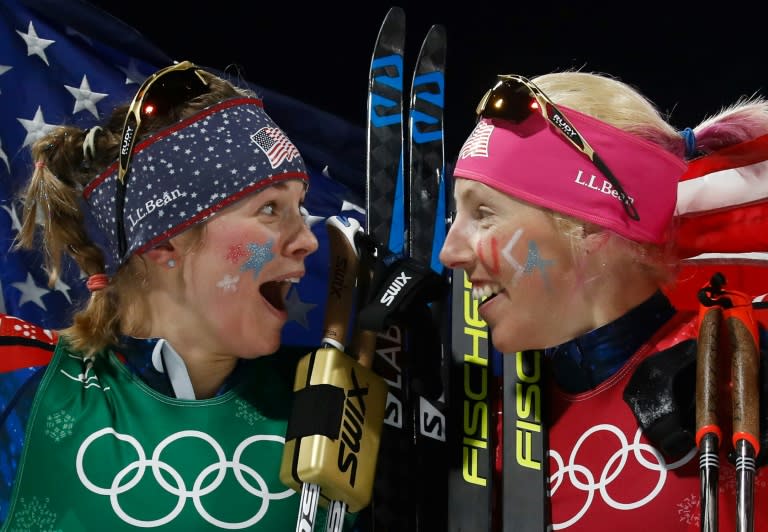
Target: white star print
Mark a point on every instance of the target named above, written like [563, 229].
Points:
[4, 157]
[64, 288]
[15, 223]
[35, 45]
[30, 292]
[36, 128]
[309, 219]
[229, 283]
[349, 206]
[85, 98]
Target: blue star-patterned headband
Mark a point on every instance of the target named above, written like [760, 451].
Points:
[183, 174]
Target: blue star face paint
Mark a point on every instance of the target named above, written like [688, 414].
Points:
[258, 256]
[536, 262]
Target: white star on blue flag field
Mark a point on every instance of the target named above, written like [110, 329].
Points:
[69, 63]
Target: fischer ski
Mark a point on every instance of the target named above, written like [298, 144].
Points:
[524, 467]
[472, 438]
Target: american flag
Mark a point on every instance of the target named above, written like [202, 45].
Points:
[477, 143]
[722, 221]
[275, 145]
[68, 62]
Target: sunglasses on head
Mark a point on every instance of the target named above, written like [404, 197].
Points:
[159, 93]
[515, 98]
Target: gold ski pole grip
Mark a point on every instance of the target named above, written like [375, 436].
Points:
[332, 439]
[333, 435]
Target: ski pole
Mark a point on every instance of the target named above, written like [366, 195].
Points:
[708, 434]
[742, 331]
[338, 313]
[332, 437]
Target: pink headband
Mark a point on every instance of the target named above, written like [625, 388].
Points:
[533, 162]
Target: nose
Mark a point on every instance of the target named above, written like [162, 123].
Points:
[301, 241]
[457, 251]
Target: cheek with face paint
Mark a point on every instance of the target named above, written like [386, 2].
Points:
[229, 283]
[487, 252]
[258, 256]
[536, 263]
[510, 257]
[497, 253]
[236, 253]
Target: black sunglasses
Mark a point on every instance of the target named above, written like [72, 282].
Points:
[515, 98]
[159, 93]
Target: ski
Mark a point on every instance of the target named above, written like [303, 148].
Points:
[428, 365]
[385, 220]
[385, 226]
[524, 467]
[405, 226]
[470, 475]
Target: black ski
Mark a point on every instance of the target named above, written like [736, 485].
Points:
[428, 365]
[384, 180]
[385, 226]
[471, 438]
[524, 460]
[406, 227]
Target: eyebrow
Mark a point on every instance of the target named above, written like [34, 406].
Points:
[467, 195]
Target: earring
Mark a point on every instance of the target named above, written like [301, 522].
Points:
[171, 263]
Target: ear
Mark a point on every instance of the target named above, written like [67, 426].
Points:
[163, 254]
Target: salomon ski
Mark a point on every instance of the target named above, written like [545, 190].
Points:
[405, 221]
[428, 362]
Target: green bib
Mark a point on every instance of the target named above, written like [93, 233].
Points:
[106, 452]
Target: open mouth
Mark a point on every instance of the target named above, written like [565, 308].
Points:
[276, 292]
[486, 292]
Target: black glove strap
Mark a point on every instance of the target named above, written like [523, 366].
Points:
[399, 283]
[662, 395]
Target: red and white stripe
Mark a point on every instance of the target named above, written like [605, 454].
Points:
[722, 217]
[477, 143]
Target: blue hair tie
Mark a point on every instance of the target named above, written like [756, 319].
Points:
[689, 137]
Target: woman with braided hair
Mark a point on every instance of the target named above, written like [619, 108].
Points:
[565, 193]
[159, 407]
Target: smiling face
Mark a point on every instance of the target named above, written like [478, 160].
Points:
[235, 280]
[518, 258]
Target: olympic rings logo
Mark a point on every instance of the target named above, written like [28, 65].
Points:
[199, 489]
[584, 479]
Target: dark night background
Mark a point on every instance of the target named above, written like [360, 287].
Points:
[690, 59]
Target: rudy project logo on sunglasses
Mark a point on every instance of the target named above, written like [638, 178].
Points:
[477, 143]
[564, 126]
[127, 138]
